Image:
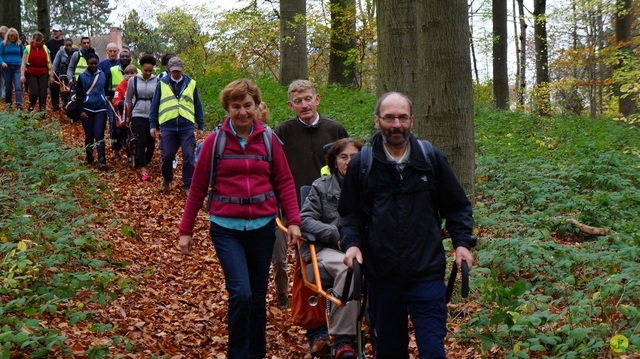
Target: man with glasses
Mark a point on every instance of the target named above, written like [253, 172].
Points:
[54, 44]
[304, 137]
[390, 223]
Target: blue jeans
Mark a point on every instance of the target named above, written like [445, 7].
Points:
[94, 128]
[245, 257]
[170, 141]
[389, 304]
[11, 77]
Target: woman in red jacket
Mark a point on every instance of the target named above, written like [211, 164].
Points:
[35, 71]
[248, 186]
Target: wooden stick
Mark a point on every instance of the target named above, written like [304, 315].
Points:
[595, 231]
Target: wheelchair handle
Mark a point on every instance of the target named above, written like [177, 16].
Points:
[452, 280]
[465, 279]
[355, 275]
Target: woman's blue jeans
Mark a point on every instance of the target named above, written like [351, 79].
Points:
[11, 76]
[245, 257]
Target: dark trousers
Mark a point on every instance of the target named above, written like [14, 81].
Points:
[94, 127]
[54, 89]
[170, 141]
[390, 304]
[145, 144]
[245, 257]
[38, 86]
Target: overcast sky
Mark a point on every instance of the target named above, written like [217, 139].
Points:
[150, 7]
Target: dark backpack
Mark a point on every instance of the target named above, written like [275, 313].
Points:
[219, 144]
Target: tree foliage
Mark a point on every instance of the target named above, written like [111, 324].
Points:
[141, 37]
[78, 17]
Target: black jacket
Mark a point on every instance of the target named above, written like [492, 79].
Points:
[395, 218]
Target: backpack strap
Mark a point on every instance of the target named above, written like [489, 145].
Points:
[366, 159]
[427, 152]
[219, 144]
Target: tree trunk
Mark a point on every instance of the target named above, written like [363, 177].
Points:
[541, 92]
[522, 83]
[626, 104]
[397, 47]
[11, 14]
[293, 41]
[500, 76]
[443, 100]
[43, 18]
[343, 42]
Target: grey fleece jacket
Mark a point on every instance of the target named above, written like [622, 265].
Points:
[319, 214]
[146, 89]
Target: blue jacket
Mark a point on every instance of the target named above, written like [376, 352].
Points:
[95, 101]
[179, 123]
[11, 54]
[394, 216]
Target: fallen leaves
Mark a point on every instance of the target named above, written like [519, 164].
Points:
[178, 307]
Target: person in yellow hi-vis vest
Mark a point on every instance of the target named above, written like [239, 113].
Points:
[175, 111]
[78, 63]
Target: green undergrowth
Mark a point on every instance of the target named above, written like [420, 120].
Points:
[51, 262]
[547, 290]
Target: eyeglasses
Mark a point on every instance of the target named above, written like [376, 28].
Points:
[392, 118]
[346, 157]
[299, 101]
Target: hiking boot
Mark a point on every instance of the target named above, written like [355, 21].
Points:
[102, 166]
[345, 350]
[165, 185]
[283, 301]
[320, 347]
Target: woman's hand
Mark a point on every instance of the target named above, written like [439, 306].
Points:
[186, 244]
[4, 65]
[23, 79]
[83, 115]
[293, 234]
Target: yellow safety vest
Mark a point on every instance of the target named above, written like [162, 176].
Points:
[171, 107]
[116, 77]
[80, 66]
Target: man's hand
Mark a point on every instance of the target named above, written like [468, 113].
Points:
[293, 234]
[463, 254]
[186, 245]
[351, 254]
[199, 134]
[154, 132]
[83, 115]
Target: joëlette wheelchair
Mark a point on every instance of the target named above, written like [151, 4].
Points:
[320, 282]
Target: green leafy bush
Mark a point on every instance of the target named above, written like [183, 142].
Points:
[547, 290]
[49, 254]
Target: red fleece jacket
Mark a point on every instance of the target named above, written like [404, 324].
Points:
[242, 178]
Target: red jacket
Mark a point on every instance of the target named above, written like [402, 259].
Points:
[120, 92]
[242, 178]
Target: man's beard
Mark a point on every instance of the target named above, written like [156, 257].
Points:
[389, 139]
